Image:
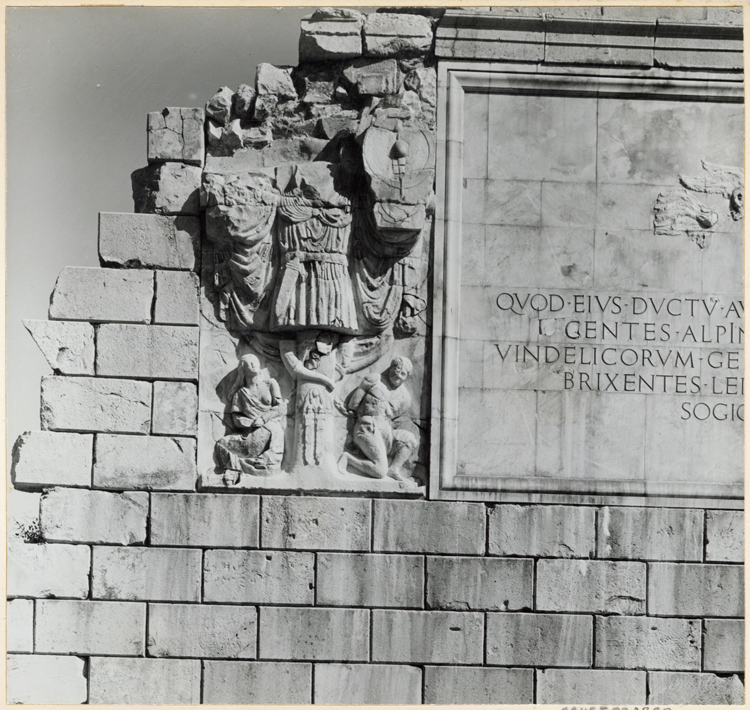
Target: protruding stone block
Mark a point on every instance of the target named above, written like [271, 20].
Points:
[344, 684]
[165, 351]
[267, 577]
[427, 636]
[70, 515]
[331, 33]
[92, 294]
[176, 134]
[148, 240]
[20, 626]
[725, 536]
[276, 81]
[396, 34]
[375, 78]
[68, 346]
[48, 570]
[146, 573]
[560, 686]
[167, 188]
[144, 681]
[237, 682]
[694, 689]
[219, 106]
[461, 685]
[145, 462]
[96, 404]
[314, 634]
[90, 628]
[724, 645]
[204, 520]
[175, 408]
[176, 298]
[43, 680]
[47, 458]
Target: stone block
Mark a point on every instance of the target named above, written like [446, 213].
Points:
[345, 684]
[724, 645]
[96, 404]
[147, 351]
[219, 106]
[204, 520]
[479, 583]
[276, 81]
[22, 510]
[396, 34]
[47, 458]
[725, 536]
[144, 681]
[177, 300]
[167, 188]
[99, 517]
[591, 586]
[149, 463]
[497, 38]
[314, 634]
[731, 16]
[461, 685]
[148, 240]
[375, 78]
[650, 533]
[175, 408]
[176, 134]
[541, 531]
[370, 580]
[266, 577]
[641, 642]
[434, 527]
[48, 570]
[238, 682]
[202, 630]
[68, 346]
[331, 33]
[43, 680]
[92, 294]
[304, 523]
[680, 46]
[20, 626]
[146, 573]
[90, 628]
[558, 686]
[695, 689]
[427, 636]
[539, 640]
[695, 590]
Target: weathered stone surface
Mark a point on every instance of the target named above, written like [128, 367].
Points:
[650, 533]
[370, 580]
[144, 681]
[90, 628]
[479, 583]
[458, 685]
[204, 520]
[270, 79]
[695, 590]
[435, 527]
[22, 509]
[68, 346]
[167, 188]
[95, 404]
[42, 680]
[427, 636]
[46, 458]
[725, 536]
[592, 586]
[641, 642]
[558, 686]
[396, 34]
[314, 634]
[331, 33]
[539, 640]
[70, 515]
[164, 351]
[202, 630]
[176, 134]
[724, 645]
[237, 682]
[694, 689]
[316, 523]
[176, 298]
[219, 106]
[244, 98]
[343, 684]
[48, 570]
[541, 531]
[175, 408]
[375, 78]
[512, 38]
[731, 16]
[144, 463]
[148, 240]
[92, 294]
[678, 46]
[267, 577]
[151, 574]
[20, 626]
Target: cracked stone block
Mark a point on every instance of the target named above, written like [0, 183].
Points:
[177, 300]
[47, 458]
[176, 134]
[396, 34]
[167, 189]
[44, 679]
[20, 625]
[175, 408]
[40, 570]
[331, 33]
[725, 536]
[68, 346]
